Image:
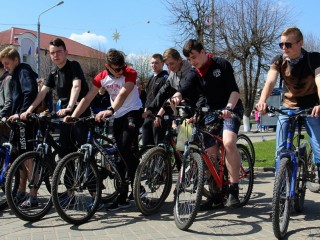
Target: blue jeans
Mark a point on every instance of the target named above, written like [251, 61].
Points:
[312, 127]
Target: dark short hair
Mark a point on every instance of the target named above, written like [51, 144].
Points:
[58, 42]
[158, 55]
[190, 45]
[115, 57]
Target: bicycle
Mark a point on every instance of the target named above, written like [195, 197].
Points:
[154, 173]
[197, 168]
[291, 173]
[246, 141]
[8, 152]
[37, 168]
[78, 179]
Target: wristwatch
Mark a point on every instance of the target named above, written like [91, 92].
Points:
[228, 108]
[111, 109]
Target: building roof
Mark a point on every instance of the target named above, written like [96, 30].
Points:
[7, 37]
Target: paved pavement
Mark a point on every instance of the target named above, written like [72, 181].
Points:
[250, 222]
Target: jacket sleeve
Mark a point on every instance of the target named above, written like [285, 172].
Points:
[164, 93]
[29, 89]
[7, 89]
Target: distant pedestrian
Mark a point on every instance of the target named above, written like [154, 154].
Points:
[257, 118]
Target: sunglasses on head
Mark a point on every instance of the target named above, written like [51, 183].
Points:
[286, 44]
[116, 70]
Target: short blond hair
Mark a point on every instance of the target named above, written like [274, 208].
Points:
[295, 31]
[10, 52]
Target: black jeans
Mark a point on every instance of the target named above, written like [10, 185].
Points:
[125, 131]
[152, 135]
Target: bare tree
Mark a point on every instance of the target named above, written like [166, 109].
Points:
[311, 43]
[246, 33]
[141, 63]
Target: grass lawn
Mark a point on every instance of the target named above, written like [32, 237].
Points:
[265, 153]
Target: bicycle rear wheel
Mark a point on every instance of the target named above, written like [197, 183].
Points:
[281, 202]
[246, 141]
[188, 192]
[37, 173]
[246, 175]
[76, 188]
[313, 174]
[153, 180]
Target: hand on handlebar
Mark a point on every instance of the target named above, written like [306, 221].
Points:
[315, 111]
[262, 107]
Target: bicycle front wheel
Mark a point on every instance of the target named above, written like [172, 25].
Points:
[34, 176]
[281, 199]
[153, 181]
[188, 192]
[76, 188]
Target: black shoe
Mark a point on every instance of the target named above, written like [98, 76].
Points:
[233, 199]
[116, 206]
[212, 204]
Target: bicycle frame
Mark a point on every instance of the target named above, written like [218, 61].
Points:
[294, 156]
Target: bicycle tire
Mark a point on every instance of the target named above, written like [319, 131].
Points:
[110, 179]
[313, 177]
[74, 210]
[153, 181]
[246, 141]
[189, 185]
[281, 202]
[246, 179]
[43, 190]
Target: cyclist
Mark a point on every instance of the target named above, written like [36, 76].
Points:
[24, 91]
[68, 79]
[217, 84]
[126, 107]
[299, 71]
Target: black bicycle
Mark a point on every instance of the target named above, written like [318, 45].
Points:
[34, 170]
[84, 179]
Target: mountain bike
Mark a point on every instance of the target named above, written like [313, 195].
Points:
[84, 179]
[197, 169]
[8, 152]
[36, 167]
[291, 173]
[154, 173]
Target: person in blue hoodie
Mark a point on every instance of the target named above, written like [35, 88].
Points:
[24, 92]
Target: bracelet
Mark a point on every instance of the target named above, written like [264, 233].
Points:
[111, 109]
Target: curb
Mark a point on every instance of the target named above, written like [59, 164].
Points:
[263, 169]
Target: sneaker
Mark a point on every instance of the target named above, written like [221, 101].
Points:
[143, 194]
[20, 197]
[66, 201]
[100, 206]
[116, 206]
[29, 203]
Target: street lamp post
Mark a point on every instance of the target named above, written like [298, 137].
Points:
[38, 37]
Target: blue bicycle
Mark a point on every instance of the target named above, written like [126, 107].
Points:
[291, 173]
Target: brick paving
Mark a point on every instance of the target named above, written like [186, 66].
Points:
[250, 222]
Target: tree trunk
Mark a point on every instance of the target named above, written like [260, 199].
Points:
[246, 124]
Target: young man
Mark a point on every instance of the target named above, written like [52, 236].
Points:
[153, 135]
[126, 107]
[180, 70]
[300, 72]
[68, 79]
[24, 91]
[217, 84]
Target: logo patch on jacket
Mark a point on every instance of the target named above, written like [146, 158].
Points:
[216, 73]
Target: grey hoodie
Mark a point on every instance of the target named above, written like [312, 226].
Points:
[5, 95]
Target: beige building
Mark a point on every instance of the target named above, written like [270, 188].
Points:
[91, 60]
